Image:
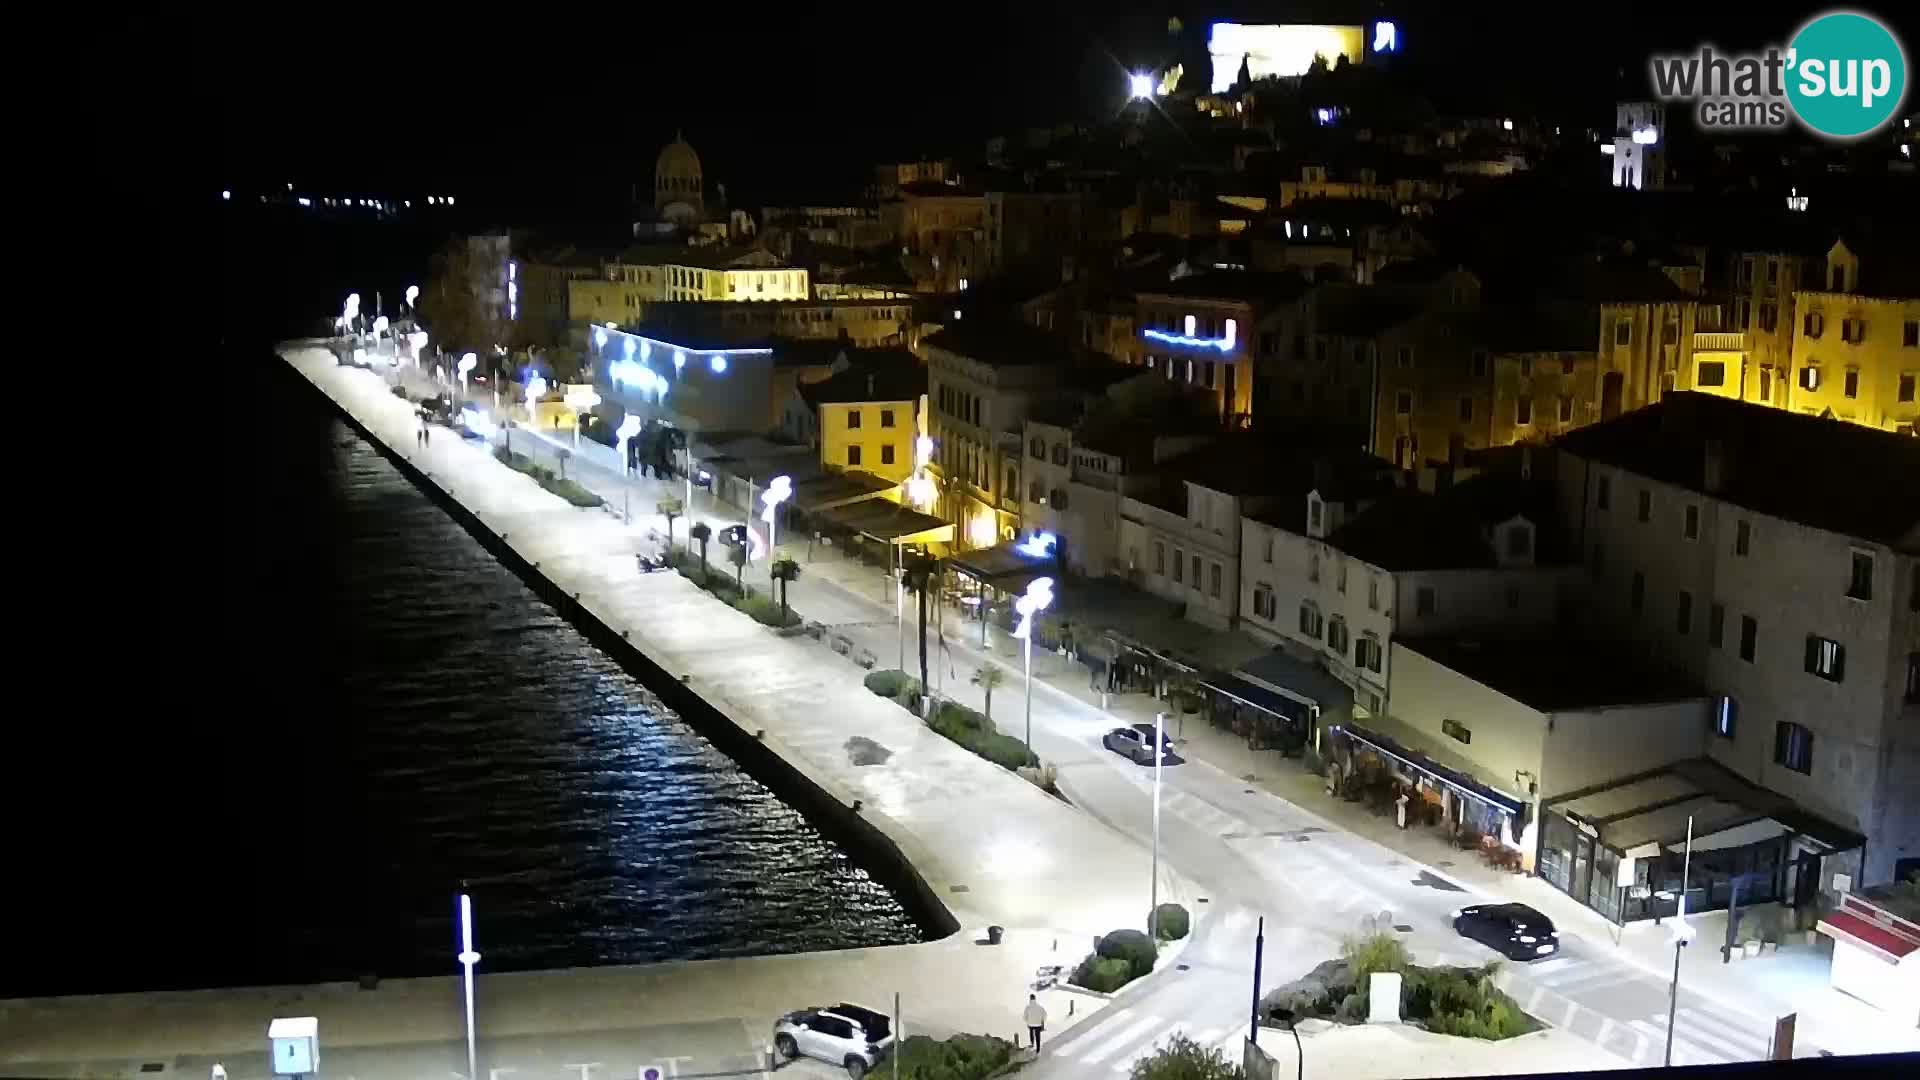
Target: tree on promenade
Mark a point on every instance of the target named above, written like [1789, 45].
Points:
[700, 532]
[784, 570]
[920, 572]
[988, 677]
[670, 509]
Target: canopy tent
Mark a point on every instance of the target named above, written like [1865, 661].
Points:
[883, 521]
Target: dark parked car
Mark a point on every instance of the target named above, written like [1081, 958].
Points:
[1136, 743]
[1515, 931]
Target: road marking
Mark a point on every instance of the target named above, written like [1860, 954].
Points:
[1709, 1030]
[1544, 970]
[1117, 1018]
[1573, 1010]
[1121, 1039]
[1606, 1032]
[1685, 1050]
[1534, 1001]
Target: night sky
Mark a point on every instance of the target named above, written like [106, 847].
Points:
[534, 116]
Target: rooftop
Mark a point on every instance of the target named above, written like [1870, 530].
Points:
[1556, 674]
[902, 379]
[1001, 343]
[1822, 473]
[1270, 463]
[1649, 811]
[1245, 286]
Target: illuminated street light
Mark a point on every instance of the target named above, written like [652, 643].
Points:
[580, 399]
[718, 363]
[1037, 598]
[468, 957]
[1153, 889]
[413, 297]
[1139, 86]
[1646, 136]
[350, 310]
[629, 427]
[536, 389]
[779, 490]
[467, 363]
[224, 194]
[1682, 934]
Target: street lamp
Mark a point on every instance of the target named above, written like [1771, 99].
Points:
[536, 389]
[779, 489]
[580, 399]
[1682, 934]
[467, 364]
[1037, 598]
[1153, 888]
[468, 957]
[629, 427]
[412, 295]
[1287, 1017]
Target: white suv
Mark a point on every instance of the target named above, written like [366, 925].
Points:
[844, 1034]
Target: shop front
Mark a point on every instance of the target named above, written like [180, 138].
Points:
[1621, 848]
[1395, 770]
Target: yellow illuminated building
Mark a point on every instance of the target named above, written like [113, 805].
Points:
[870, 415]
[692, 275]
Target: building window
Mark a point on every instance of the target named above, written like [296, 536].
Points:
[1742, 538]
[1769, 316]
[1691, 530]
[1337, 636]
[1523, 412]
[1716, 624]
[1513, 597]
[1683, 617]
[1814, 324]
[1196, 574]
[1423, 600]
[1637, 593]
[1766, 382]
[1366, 653]
[1036, 492]
[1159, 558]
[1810, 378]
[1456, 730]
[1313, 516]
[1038, 450]
[1313, 567]
[886, 454]
[1268, 549]
[1826, 658]
[1373, 592]
[1711, 373]
[1793, 747]
[1213, 580]
[1566, 408]
[1645, 511]
[1012, 489]
[1403, 402]
[1860, 580]
[886, 417]
[1340, 577]
[1726, 716]
[1670, 334]
[1905, 393]
[1519, 542]
[1059, 498]
[1466, 410]
[1179, 565]
[1853, 331]
[1310, 621]
[1406, 356]
[1060, 453]
[1566, 365]
[853, 419]
[1263, 602]
[1749, 637]
[1479, 363]
[1623, 332]
[1910, 334]
[1850, 383]
[1603, 492]
[853, 455]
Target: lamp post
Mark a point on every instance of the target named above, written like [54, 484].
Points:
[1287, 1017]
[1037, 598]
[580, 399]
[779, 489]
[1153, 889]
[629, 427]
[536, 389]
[468, 957]
[1682, 934]
[467, 363]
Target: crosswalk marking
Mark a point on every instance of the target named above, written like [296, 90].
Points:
[1714, 1033]
[1685, 1050]
[1122, 1038]
[1124, 1063]
[1101, 1028]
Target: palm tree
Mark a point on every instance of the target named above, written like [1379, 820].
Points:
[918, 573]
[700, 531]
[784, 570]
[987, 677]
[670, 509]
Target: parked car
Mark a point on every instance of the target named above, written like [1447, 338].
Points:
[847, 1035]
[1515, 931]
[1136, 743]
[732, 536]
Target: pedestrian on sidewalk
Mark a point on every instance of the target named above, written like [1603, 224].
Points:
[426, 435]
[1036, 1017]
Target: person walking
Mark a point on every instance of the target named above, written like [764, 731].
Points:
[1036, 1017]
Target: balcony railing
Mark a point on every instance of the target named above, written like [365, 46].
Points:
[1719, 342]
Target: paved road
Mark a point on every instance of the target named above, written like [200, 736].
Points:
[1252, 853]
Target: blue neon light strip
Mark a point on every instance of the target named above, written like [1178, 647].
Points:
[1222, 344]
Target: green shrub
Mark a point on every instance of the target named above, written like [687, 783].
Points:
[401, 393]
[574, 493]
[1133, 946]
[1102, 973]
[892, 683]
[963, 1057]
[1183, 1059]
[1375, 952]
[960, 716]
[1353, 1008]
[766, 612]
[1171, 922]
[971, 730]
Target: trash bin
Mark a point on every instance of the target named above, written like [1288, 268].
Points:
[993, 934]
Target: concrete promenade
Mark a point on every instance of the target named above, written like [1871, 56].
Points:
[992, 847]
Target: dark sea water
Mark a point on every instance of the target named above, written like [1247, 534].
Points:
[348, 709]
